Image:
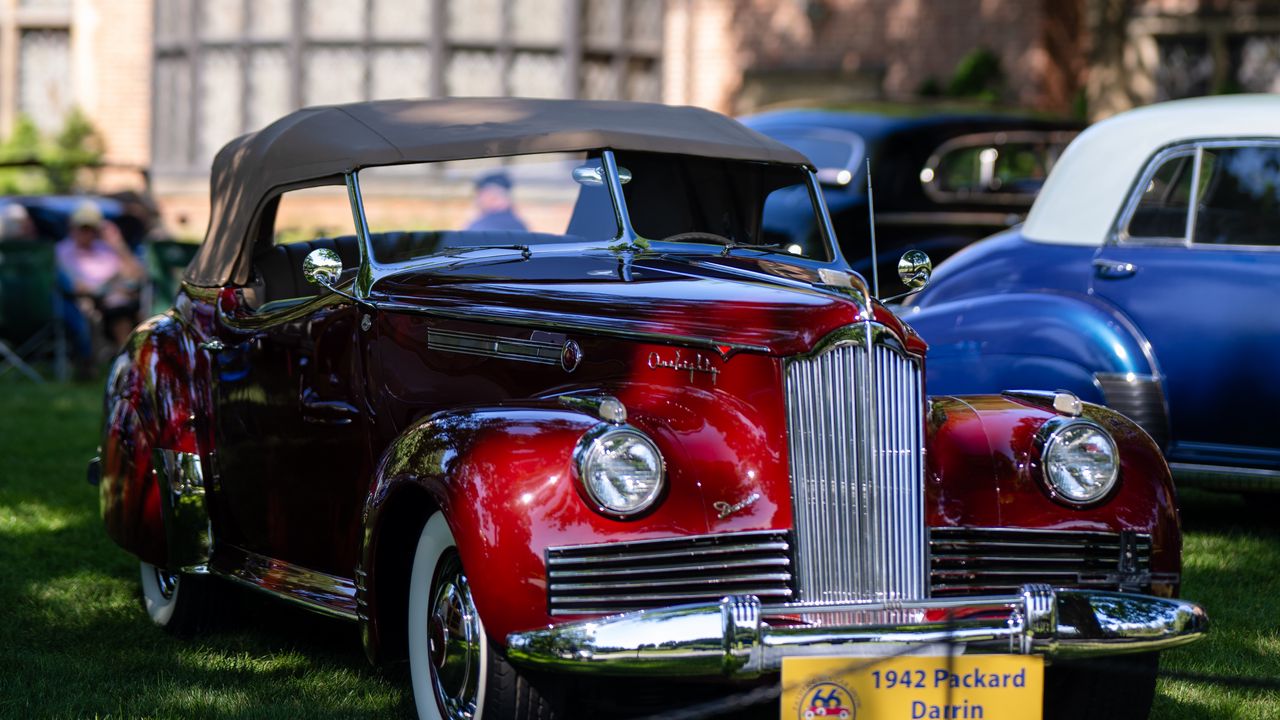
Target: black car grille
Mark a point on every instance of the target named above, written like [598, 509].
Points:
[990, 561]
[619, 577]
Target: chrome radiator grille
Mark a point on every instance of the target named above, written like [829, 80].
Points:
[991, 561]
[855, 426]
[617, 577]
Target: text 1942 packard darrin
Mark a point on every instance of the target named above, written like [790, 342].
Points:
[590, 425]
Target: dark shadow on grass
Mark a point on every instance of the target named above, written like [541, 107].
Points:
[259, 658]
[1204, 511]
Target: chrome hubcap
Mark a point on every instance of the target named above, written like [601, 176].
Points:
[453, 640]
[167, 582]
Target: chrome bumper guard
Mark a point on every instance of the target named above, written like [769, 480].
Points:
[730, 638]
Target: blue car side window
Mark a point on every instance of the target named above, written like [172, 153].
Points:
[1162, 208]
[1239, 203]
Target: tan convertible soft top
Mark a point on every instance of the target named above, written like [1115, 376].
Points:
[313, 144]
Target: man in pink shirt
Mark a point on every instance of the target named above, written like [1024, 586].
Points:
[96, 264]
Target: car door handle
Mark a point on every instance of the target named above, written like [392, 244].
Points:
[1113, 269]
[317, 411]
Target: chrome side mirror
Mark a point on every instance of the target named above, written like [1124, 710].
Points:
[914, 269]
[322, 267]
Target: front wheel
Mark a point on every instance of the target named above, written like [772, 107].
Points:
[174, 601]
[1115, 688]
[455, 671]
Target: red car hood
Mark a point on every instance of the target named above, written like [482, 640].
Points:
[730, 303]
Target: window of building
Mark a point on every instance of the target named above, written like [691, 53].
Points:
[225, 67]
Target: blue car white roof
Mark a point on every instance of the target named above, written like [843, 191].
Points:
[1089, 184]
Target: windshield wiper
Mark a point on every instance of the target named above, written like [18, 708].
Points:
[460, 249]
[781, 248]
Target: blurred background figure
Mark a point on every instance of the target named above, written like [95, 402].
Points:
[100, 276]
[494, 206]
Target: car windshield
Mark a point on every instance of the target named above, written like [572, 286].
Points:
[447, 208]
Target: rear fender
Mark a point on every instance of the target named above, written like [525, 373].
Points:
[154, 426]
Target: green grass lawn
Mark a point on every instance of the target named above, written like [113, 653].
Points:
[75, 642]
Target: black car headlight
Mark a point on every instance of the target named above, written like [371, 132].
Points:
[1079, 460]
[621, 469]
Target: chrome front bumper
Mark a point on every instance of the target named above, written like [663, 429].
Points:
[731, 638]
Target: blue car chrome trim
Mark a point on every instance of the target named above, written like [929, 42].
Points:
[733, 638]
[1230, 479]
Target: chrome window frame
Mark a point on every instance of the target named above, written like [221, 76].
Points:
[1047, 138]
[1119, 234]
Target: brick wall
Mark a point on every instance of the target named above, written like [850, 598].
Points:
[111, 61]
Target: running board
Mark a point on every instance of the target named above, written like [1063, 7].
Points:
[317, 591]
[1226, 479]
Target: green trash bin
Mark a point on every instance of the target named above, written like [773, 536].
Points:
[28, 283]
[166, 260]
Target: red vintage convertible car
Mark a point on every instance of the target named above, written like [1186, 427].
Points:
[549, 408]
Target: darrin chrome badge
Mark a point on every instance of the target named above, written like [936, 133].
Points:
[724, 509]
[699, 363]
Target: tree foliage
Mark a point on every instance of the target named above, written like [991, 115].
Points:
[55, 163]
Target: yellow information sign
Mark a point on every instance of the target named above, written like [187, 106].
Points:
[910, 687]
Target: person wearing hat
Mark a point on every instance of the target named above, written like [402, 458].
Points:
[95, 263]
[494, 209]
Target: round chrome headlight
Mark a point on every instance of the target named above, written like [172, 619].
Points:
[620, 469]
[1080, 461]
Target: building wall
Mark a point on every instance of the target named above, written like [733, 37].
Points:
[1145, 51]
[738, 55]
[94, 55]
[111, 50]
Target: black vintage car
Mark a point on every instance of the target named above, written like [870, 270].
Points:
[939, 181]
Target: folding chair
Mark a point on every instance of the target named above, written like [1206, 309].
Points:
[30, 309]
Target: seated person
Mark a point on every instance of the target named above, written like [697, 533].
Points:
[494, 209]
[95, 263]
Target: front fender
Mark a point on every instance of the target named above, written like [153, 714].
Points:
[503, 477]
[983, 471]
[1029, 340]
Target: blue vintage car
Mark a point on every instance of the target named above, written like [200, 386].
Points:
[943, 179]
[1146, 278]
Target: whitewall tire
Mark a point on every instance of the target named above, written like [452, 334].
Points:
[456, 673]
[172, 600]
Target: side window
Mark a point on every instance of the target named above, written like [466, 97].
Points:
[305, 220]
[1162, 209]
[1001, 167]
[1239, 203]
